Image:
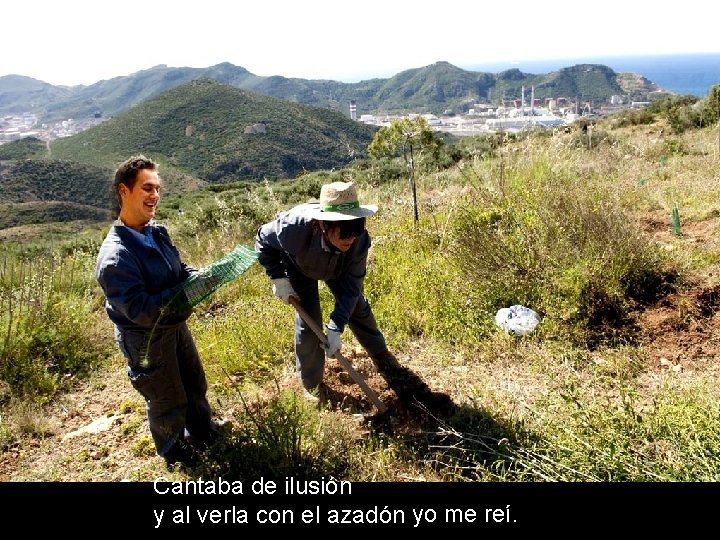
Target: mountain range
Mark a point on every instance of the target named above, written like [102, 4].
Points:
[202, 132]
[223, 124]
[431, 89]
[219, 133]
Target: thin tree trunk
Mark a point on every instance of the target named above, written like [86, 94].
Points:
[412, 183]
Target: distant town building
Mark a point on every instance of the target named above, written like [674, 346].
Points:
[353, 110]
[20, 126]
[433, 120]
[519, 123]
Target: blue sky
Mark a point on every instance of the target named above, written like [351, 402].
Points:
[81, 42]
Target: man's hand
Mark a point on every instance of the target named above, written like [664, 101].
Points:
[282, 288]
[334, 340]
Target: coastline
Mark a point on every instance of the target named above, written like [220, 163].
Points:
[692, 74]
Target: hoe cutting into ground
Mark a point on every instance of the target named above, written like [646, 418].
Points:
[383, 411]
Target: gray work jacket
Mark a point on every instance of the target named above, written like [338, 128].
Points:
[292, 242]
[138, 279]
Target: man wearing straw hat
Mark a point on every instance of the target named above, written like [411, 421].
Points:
[323, 241]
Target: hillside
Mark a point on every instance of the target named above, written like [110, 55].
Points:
[586, 82]
[617, 385]
[14, 215]
[219, 133]
[24, 94]
[49, 190]
[26, 148]
[433, 88]
[33, 180]
[202, 132]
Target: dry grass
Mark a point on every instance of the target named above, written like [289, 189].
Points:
[526, 409]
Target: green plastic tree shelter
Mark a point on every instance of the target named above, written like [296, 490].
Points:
[206, 281]
[675, 218]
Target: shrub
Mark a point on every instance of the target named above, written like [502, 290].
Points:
[587, 135]
[563, 247]
[632, 117]
[688, 112]
[277, 438]
[47, 325]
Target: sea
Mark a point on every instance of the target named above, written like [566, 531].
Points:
[687, 74]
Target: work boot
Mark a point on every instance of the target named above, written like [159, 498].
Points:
[317, 395]
[211, 436]
[311, 397]
[182, 453]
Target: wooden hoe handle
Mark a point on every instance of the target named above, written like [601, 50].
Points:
[344, 362]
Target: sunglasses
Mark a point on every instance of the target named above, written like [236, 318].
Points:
[351, 228]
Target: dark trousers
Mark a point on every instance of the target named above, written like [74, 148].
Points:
[309, 354]
[164, 366]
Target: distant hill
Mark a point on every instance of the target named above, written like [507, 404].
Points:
[218, 133]
[20, 94]
[585, 81]
[46, 190]
[29, 147]
[432, 88]
[14, 215]
[202, 132]
[41, 180]
[35, 180]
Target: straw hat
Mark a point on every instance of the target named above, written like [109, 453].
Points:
[339, 201]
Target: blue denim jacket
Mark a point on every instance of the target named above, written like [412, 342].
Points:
[292, 242]
[137, 279]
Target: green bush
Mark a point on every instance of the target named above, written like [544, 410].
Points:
[632, 117]
[689, 112]
[560, 246]
[483, 146]
[26, 148]
[278, 438]
[587, 135]
[682, 119]
[48, 334]
[669, 103]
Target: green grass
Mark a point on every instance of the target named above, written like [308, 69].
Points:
[539, 220]
[48, 312]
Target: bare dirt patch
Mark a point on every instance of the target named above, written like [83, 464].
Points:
[682, 331]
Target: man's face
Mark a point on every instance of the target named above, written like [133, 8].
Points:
[334, 235]
[140, 203]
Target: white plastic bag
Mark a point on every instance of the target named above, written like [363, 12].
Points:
[517, 320]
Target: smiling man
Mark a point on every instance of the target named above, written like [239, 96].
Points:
[139, 202]
[138, 268]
